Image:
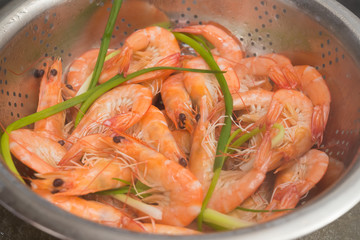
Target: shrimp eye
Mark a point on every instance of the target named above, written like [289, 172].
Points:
[117, 139]
[182, 117]
[38, 73]
[183, 162]
[58, 182]
[61, 142]
[197, 117]
[54, 191]
[53, 72]
[69, 86]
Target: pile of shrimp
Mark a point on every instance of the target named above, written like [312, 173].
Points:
[161, 129]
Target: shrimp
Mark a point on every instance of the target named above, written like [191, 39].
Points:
[81, 69]
[149, 47]
[293, 110]
[234, 187]
[225, 45]
[117, 109]
[175, 190]
[177, 102]
[153, 130]
[167, 229]
[200, 84]
[50, 95]
[88, 179]
[314, 86]
[294, 182]
[35, 150]
[93, 211]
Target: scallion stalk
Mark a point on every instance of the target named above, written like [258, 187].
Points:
[224, 221]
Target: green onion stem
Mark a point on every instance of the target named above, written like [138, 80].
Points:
[264, 210]
[105, 42]
[225, 130]
[279, 137]
[224, 221]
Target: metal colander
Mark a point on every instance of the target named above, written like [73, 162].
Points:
[319, 33]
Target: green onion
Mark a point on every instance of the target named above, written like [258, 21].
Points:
[263, 211]
[279, 137]
[152, 211]
[225, 130]
[224, 221]
[105, 42]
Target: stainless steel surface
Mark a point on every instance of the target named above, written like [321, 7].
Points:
[319, 33]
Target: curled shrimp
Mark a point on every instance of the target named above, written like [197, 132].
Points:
[98, 176]
[225, 45]
[314, 86]
[153, 130]
[294, 111]
[183, 140]
[117, 109]
[175, 190]
[50, 95]
[294, 182]
[149, 47]
[93, 211]
[177, 102]
[35, 150]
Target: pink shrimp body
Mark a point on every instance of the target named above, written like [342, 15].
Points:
[225, 45]
[293, 110]
[117, 109]
[177, 102]
[294, 182]
[93, 211]
[183, 140]
[154, 131]
[50, 95]
[177, 192]
[35, 150]
[96, 177]
[149, 47]
[314, 86]
[232, 189]
[168, 229]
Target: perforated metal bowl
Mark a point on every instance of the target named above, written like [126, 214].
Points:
[320, 33]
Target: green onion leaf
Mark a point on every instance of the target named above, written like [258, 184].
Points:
[224, 221]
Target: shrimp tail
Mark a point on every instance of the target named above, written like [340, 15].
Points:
[284, 77]
[319, 120]
[124, 60]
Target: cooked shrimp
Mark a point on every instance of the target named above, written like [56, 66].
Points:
[176, 191]
[293, 110]
[200, 84]
[168, 230]
[96, 177]
[234, 187]
[154, 85]
[314, 86]
[117, 109]
[35, 150]
[225, 45]
[153, 130]
[82, 67]
[50, 95]
[177, 102]
[149, 47]
[93, 211]
[294, 182]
